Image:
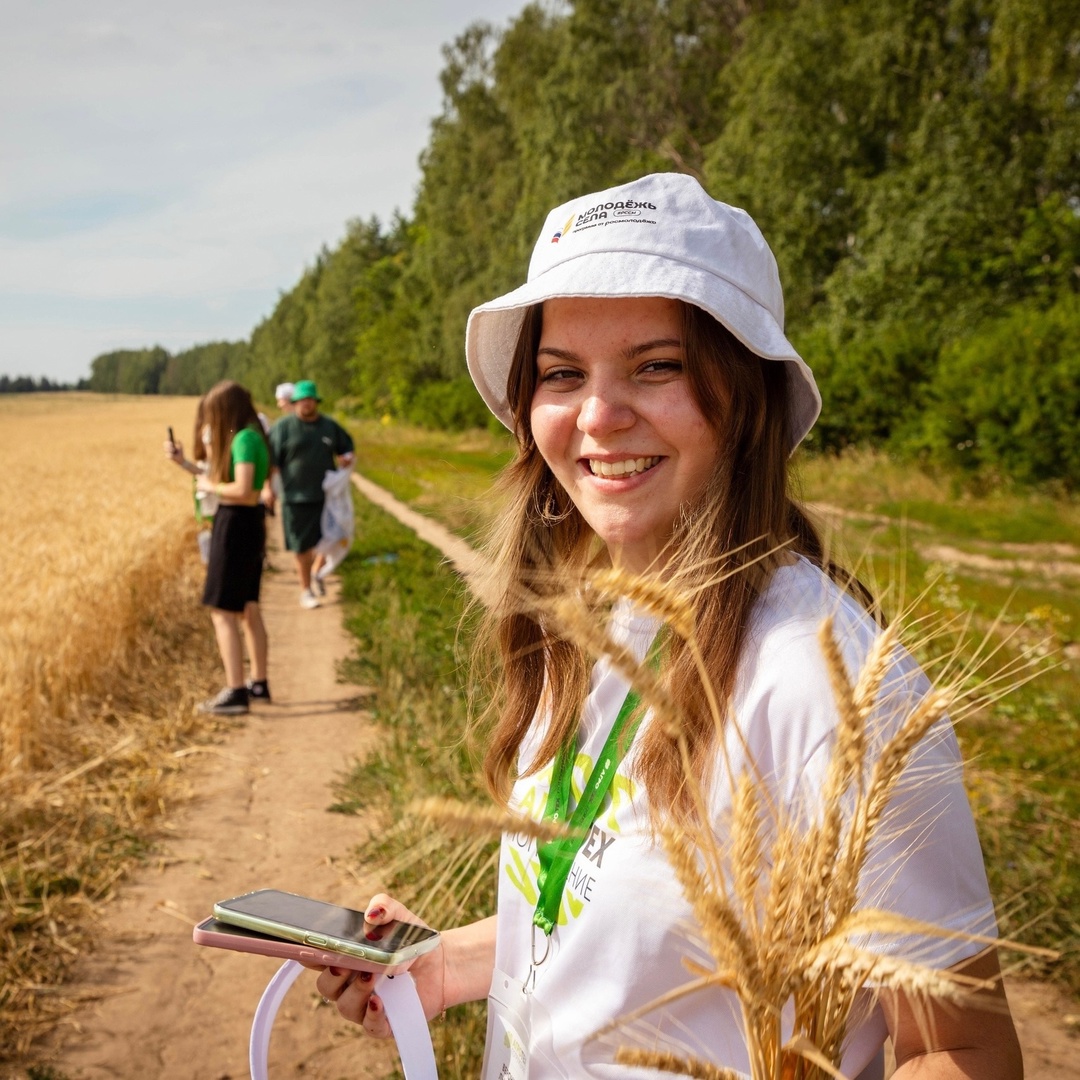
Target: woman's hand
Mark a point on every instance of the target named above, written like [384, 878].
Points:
[204, 483]
[174, 451]
[352, 990]
[459, 969]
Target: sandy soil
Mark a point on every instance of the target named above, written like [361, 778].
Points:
[168, 1009]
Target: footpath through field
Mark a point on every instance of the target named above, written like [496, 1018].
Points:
[159, 1006]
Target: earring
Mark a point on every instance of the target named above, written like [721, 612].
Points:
[545, 505]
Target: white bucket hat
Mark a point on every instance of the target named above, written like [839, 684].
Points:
[661, 235]
[284, 391]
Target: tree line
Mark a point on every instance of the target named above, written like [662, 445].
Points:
[28, 384]
[915, 165]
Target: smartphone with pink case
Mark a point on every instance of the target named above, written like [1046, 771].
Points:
[221, 935]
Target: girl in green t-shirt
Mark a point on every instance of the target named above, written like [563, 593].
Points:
[239, 466]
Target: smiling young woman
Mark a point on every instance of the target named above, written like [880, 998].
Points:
[614, 416]
[655, 401]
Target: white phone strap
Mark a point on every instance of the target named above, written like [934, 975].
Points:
[403, 1011]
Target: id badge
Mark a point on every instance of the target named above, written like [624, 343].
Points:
[506, 1051]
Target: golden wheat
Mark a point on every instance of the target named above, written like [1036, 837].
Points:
[103, 650]
[652, 1059]
[459, 819]
[788, 936]
[88, 498]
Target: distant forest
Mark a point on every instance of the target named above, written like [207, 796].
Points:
[27, 384]
[915, 165]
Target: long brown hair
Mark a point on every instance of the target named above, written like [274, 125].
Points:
[198, 447]
[228, 408]
[745, 519]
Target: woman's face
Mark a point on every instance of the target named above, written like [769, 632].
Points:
[613, 417]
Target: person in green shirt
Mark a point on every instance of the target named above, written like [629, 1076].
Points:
[239, 457]
[306, 446]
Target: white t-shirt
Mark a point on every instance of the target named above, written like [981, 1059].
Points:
[624, 925]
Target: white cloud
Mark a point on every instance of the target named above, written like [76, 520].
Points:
[166, 168]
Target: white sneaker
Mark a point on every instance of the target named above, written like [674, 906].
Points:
[308, 599]
[318, 586]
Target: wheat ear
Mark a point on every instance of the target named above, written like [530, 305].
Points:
[652, 594]
[464, 819]
[672, 1063]
[724, 934]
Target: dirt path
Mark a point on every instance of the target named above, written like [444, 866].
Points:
[169, 1010]
[172, 1010]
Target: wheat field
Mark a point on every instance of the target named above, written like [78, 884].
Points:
[92, 513]
[104, 649]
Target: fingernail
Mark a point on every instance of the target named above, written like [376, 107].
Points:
[373, 1005]
[365, 976]
[336, 972]
[375, 913]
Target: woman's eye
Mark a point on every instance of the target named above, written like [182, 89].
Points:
[555, 375]
[661, 367]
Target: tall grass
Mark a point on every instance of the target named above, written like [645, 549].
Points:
[103, 650]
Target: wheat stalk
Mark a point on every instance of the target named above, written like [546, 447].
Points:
[649, 593]
[789, 935]
[464, 819]
[672, 1063]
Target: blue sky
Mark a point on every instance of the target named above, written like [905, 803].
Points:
[167, 170]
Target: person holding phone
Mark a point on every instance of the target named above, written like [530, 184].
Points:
[237, 454]
[655, 401]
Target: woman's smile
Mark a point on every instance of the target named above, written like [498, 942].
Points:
[614, 418]
[629, 467]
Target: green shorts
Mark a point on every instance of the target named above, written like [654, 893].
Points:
[301, 523]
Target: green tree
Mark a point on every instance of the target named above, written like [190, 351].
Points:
[128, 371]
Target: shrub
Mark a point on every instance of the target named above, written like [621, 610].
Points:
[872, 387]
[453, 405]
[1005, 400]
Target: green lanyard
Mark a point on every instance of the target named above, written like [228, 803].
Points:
[557, 856]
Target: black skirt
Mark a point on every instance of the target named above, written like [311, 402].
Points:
[237, 546]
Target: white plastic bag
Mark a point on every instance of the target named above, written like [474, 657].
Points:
[203, 539]
[337, 524]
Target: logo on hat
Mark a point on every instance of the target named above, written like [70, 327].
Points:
[565, 229]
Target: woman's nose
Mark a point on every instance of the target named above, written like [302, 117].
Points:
[604, 410]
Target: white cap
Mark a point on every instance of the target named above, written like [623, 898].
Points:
[662, 235]
[284, 390]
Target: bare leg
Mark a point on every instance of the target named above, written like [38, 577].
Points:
[317, 565]
[304, 560]
[255, 636]
[227, 631]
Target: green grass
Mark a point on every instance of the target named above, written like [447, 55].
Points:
[445, 476]
[404, 615]
[1023, 754]
[871, 483]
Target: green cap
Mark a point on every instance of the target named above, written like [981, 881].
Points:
[305, 388]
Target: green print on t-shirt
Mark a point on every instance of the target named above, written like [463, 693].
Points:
[523, 866]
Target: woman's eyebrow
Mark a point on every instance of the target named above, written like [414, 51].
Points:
[631, 350]
[559, 354]
[658, 343]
